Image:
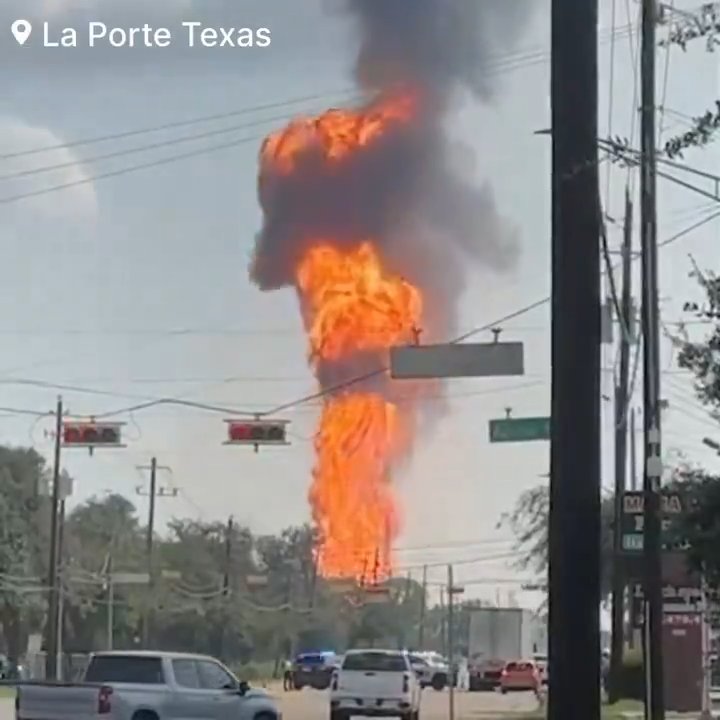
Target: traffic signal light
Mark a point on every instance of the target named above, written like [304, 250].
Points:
[256, 432]
[91, 434]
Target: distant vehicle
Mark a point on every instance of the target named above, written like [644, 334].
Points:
[497, 636]
[375, 683]
[520, 675]
[314, 670]
[147, 685]
[542, 665]
[431, 669]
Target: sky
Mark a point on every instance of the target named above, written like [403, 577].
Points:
[130, 281]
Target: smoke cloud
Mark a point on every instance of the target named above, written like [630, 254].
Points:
[408, 192]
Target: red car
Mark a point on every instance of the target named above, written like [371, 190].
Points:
[521, 675]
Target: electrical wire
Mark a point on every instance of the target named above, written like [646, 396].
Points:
[516, 63]
[176, 124]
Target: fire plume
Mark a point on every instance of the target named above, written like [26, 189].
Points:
[336, 134]
[369, 216]
[354, 308]
[351, 306]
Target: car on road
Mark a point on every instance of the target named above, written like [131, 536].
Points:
[147, 686]
[375, 683]
[542, 664]
[431, 669]
[313, 670]
[520, 675]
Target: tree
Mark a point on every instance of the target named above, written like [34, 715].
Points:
[23, 484]
[529, 523]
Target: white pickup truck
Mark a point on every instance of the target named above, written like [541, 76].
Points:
[147, 686]
[375, 683]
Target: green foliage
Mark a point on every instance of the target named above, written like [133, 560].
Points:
[203, 600]
[529, 523]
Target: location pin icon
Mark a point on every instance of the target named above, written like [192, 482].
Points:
[21, 30]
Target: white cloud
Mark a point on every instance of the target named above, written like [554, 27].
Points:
[76, 203]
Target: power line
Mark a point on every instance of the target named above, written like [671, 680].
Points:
[144, 148]
[319, 395]
[501, 68]
[173, 125]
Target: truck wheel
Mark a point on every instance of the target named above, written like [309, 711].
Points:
[145, 715]
[438, 683]
[337, 715]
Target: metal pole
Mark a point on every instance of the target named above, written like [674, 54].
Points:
[633, 452]
[61, 592]
[111, 605]
[226, 587]
[149, 552]
[574, 525]
[622, 402]
[451, 643]
[51, 644]
[652, 475]
[423, 606]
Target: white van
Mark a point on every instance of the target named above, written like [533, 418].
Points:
[375, 683]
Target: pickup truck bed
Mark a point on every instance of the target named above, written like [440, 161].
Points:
[147, 686]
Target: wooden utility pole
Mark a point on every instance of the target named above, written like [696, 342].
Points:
[622, 405]
[53, 615]
[226, 586]
[574, 525]
[423, 610]
[652, 475]
[153, 493]
[451, 643]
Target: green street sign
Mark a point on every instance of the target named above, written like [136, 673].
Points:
[633, 520]
[520, 429]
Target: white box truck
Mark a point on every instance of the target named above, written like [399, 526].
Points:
[497, 636]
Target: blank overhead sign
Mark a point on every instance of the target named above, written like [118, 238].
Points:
[457, 360]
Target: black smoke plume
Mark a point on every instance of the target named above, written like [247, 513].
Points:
[408, 192]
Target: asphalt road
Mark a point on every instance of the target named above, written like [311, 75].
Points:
[313, 705]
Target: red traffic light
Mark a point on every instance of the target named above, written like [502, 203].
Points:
[256, 432]
[90, 434]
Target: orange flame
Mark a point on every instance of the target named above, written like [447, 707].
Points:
[336, 134]
[352, 306]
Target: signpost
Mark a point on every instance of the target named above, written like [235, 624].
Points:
[633, 520]
[455, 360]
[519, 429]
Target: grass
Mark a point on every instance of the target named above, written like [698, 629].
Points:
[6, 693]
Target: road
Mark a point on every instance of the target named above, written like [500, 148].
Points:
[313, 705]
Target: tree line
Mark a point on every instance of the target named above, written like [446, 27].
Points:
[217, 587]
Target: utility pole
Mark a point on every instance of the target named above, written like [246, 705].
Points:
[633, 453]
[61, 587]
[443, 623]
[226, 585]
[451, 643]
[51, 642]
[574, 526]
[423, 610]
[622, 404]
[153, 493]
[652, 474]
[110, 604]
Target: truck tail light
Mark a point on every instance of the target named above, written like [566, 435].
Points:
[104, 704]
[406, 683]
[334, 681]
